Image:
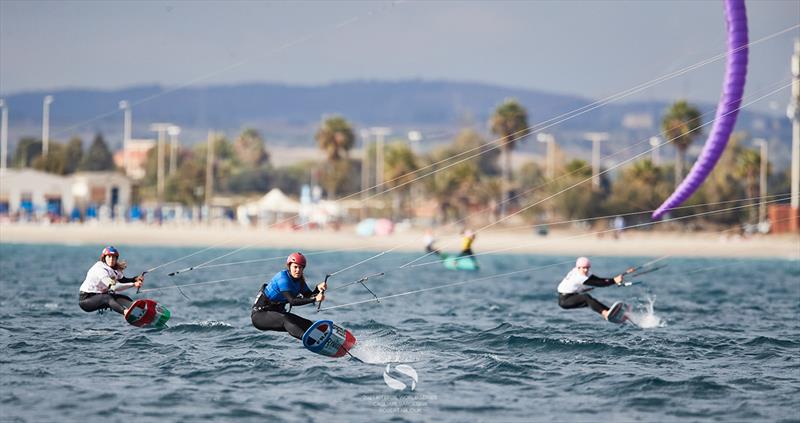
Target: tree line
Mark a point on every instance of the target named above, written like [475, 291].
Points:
[469, 174]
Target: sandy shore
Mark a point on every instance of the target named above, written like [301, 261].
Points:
[573, 243]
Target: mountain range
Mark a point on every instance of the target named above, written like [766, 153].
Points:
[289, 114]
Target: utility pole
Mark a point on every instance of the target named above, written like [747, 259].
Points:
[173, 132]
[596, 138]
[364, 171]
[655, 142]
[550, 140]
[380, 133]
[415, 191]
[46, 124]
[762, 181]
[209, 191]
[794, 114]
[161, 128]
[3, 136]
[414, 138]
[126, 132]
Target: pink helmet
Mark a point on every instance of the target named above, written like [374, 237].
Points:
[583, 262]
[109, 251]
[296, 258]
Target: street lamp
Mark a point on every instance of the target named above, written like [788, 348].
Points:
[793, 112]
[126, 132]
[173, 132]
[550, 140]
[209, 191]
[3, 136]
[414, 137]
[655, 142]
[762, 186]
[596, 138]
[380, 133]
[364, 165]
[46, 124]
[161, 128]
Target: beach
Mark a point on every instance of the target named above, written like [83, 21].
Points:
[490, 241]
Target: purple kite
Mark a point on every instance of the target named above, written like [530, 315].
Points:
[727, 109]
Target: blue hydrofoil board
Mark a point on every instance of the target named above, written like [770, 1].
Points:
[326, 338]
[618, 312]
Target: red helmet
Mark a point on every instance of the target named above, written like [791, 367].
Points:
[109, 251]
[296, 258]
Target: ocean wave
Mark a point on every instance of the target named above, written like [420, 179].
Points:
[202, 326]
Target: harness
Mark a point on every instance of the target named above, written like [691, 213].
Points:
[272, 306]
[263, 303]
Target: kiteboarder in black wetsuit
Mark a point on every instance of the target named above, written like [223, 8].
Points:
[103, 280]
[572, 289]
[286, 287]
[429, 240]
[466, 244]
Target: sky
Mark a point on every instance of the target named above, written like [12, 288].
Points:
[588, 48]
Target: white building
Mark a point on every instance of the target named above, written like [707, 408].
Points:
[33, 193]
[134, 158]
[103, 190]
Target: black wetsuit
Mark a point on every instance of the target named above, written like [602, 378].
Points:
[578, 300]
[93, 301]
[429, 249]
[272, 315]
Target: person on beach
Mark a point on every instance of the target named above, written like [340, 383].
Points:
[103, 280]
[572, 289]
[466, 243]
[287, 287]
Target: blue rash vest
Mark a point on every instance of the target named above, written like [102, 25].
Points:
[281, 282]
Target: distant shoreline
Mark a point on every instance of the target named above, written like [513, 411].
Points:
[575, 243]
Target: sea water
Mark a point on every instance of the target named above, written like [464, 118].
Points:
[705, 342]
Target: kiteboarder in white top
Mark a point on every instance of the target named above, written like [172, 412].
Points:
[572, 289]
[99, 290]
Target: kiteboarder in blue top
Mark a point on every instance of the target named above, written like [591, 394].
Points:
[286, 287]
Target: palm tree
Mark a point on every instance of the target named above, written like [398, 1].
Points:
[452, 183]
[401, 163]
[642, 186]
[748, 166]
[469, 140]
[249, 149]
[646, 172]
[335, 136]
[680, 125]
[510, 122]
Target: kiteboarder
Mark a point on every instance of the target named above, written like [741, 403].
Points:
[572, 289]
[103, 280]
[466, 243]
[428, 239]
[287, 287]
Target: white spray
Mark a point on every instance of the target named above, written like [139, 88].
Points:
[645, 317]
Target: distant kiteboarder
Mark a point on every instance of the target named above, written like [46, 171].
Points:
[428, 239]
[466, 243]
[287, 287]
[465, 260]
[572, 291]
[103, 280]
